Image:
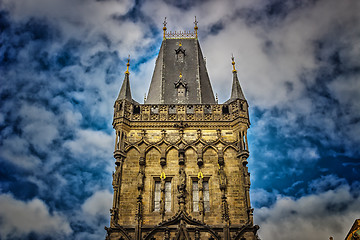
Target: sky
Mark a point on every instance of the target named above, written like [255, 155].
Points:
[62, 64]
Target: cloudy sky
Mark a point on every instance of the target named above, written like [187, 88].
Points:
[62, 63]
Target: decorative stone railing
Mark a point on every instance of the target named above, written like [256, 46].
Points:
[180, 35]
[181, 112]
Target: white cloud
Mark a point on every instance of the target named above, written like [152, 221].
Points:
[98, 204]
[39, 126]
[90, 142]
[20, 218]
[16, 150]
[312, 217]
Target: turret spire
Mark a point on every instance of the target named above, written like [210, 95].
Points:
[236, 91]
[125, 92]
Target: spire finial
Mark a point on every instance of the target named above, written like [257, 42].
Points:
[216, 98]
[164, 28]
[196, 27]
[127, 65]
[233, 63]
[180, 76]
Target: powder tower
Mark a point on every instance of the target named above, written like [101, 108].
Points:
[181, 157]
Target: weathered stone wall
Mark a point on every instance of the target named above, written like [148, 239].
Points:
[152, 143]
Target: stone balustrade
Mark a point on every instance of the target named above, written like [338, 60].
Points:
[181, 112]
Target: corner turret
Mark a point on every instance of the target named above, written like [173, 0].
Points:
[236, 91]
[125, 92]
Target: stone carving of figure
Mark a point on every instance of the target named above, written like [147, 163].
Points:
[113, 181]
[200, 184]
[247, 178]
[182, 182]
[140, 180]
[162, 196]
[222, 178]
[115, 176]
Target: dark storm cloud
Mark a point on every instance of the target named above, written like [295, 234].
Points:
[53, 155]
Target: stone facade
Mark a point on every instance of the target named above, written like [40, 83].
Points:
[181, 171]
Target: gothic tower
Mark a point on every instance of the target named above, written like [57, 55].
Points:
[180, 169]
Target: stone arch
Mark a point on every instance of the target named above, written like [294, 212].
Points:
[171, 147]
[132, 147]
[229, 147]
[210, 147]
[176, 219]
[189, 147]
[149, 148]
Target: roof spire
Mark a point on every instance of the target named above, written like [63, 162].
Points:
[125, 92]
[196, 28]
[164, 28]
[127, 65]
[236, 91]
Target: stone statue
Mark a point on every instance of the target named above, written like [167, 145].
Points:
[140, 180]
[182, 180]
[222, 178]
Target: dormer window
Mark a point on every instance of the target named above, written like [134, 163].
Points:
[181, 91]
[181, 87]
[180, 53]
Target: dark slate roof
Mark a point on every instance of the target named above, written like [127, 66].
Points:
[169, 66]
[236, 91]
[125, 92]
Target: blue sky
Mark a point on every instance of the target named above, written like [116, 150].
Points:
[62, 63]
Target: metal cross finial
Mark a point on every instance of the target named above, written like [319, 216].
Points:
[164, 28]
[127, 65]
[233, 63]
[196, 27]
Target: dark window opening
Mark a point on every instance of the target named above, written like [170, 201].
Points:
[241, 106]
[136, 110]
[225, 110]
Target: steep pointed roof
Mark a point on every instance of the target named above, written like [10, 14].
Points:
[173, 60]
[125, 92]
[180, 53]
[236, 91]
